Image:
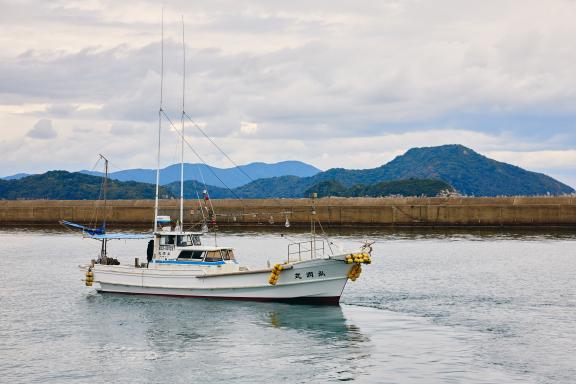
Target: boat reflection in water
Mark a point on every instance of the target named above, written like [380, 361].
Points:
[327, 322]
[230, 341]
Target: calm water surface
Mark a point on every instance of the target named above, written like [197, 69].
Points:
[434, 307]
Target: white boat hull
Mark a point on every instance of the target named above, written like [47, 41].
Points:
[319, 281]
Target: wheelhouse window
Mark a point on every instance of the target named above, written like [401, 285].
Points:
[196, 240]
[191, 255]
[227, 254]
[167, 240]
[213, 256]
[183, 240]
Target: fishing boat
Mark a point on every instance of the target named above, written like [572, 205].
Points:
[179, 263]
[181, 266]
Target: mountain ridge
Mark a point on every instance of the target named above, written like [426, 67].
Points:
[64, 185]
[16, 176]
[231, 177]
[467, 171]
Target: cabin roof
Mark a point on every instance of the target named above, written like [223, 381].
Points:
[177, 233]
[204, 248]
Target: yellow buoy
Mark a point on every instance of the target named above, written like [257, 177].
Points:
[275, 274]
[89, 278]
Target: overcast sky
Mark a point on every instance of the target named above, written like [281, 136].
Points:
[334, 83]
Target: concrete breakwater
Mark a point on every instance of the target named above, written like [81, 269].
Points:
[465, 211]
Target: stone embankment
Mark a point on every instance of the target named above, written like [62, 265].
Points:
[466, 211]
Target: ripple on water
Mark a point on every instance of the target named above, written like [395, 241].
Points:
[432, 308]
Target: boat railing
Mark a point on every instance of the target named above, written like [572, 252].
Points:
[305, 250]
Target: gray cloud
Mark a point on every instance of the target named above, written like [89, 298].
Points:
[124, 130]
[339, 70]
[42, 130]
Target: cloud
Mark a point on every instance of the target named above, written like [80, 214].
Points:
[43, 130]
[123, 130]
[380, 74]
[248, 128]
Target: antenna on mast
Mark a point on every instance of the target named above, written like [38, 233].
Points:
[182, 137]
[159, 128]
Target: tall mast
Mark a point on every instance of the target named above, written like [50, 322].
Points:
[182, 137]
[105, 190]
[159, 129]
[105, 193]
[313, 226]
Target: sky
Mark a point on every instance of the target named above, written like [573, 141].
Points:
[333, 83]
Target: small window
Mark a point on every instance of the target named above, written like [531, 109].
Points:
[185, 255]
[196, 240]
[191, 255]
[198, 255]
[213, 256]
[227, 254]
[182, 241]
[169, 239]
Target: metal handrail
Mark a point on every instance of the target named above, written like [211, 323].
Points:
[303, 250]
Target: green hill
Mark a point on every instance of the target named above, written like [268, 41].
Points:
[409, 187]
[420, 171]
[294, 187]
[63, 185]
[467, 171]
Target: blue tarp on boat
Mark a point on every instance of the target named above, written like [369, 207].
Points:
[91, 231]
[100, 233]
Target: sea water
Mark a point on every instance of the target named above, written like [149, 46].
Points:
[433, 307]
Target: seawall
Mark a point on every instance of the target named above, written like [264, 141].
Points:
[466, 211]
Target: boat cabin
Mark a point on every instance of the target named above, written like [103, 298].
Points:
[185, 247]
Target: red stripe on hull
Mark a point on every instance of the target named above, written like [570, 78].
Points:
[328, 300]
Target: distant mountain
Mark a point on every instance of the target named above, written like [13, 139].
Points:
[290, 187]
[63, 185]
[419, 171]
[232, 177]
[193, 190]
[15, 177]
[467, 171]
[463, 168]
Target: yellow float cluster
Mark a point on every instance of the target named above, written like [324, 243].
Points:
[359, 258]
[355, 272]
[89, 278]
[275, 274]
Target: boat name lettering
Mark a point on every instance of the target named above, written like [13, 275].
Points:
[298, 275]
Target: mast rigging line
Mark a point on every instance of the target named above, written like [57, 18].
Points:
[182, 122]
[159, 128]
[162, 64]
[179, 132]
[217, 147]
